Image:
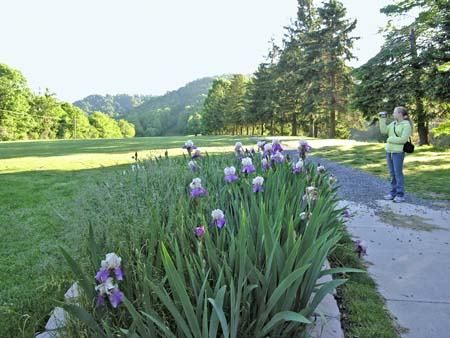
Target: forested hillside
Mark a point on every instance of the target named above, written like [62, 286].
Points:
[112, 105]
[169, 114]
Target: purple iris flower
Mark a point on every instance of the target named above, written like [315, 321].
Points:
[265, 164]
[197, 154]
[200, 231]
[258, 184]
[297, 170]
[116, 298]
[221, 222]
[346, 214]
[360, 248]
[100, 301]
[193, 166]
[102, 275]
[196, 192]
[303, 148]
[119, 273]
[218, 218]
[276, 147]
[248, 169]
[258, 188]
[230, 178]
[189, 145]
[277, 157]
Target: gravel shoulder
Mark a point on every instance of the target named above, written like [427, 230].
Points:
[358, 186]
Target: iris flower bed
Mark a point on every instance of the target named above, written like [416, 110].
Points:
[201, 246]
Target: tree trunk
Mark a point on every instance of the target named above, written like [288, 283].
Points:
[422, 125]
[311, 126]
[294, 124]
[333, 107]
[262, 128]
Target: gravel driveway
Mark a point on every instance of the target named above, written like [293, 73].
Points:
[358, 186]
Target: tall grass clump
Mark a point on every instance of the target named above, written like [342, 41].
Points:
[205, 257]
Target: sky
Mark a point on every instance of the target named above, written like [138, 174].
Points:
[84, 47]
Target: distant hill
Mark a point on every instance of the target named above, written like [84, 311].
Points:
[168, 114]
[112, 105]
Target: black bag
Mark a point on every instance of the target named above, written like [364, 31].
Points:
[408, 147]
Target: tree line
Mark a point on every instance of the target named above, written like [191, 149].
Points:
[25, 115]
[305, 86]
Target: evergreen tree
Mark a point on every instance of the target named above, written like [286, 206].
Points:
[409, 70]
[213, 115]
[234, 113]
[331, 45]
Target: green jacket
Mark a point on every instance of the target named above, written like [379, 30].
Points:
[394, 143]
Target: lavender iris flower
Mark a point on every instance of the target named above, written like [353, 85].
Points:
[196, 192]
[193, 166]
[189, 145]
[278, 157]
[119, 273]
[258, 184]
[102, 275]
[200, 231]
[100, 301]
[360, 248]
[248, 169]
[197, 154]
[221, 222]
[257, 188]
[265, 164]
[247, 165]
[218, 218]
[276, 147]
[116, 298]
[230, 178]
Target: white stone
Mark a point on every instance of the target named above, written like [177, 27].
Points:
[57, 319]
[330, 329]
[72, 293]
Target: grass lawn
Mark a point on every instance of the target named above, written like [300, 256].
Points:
[42, 182]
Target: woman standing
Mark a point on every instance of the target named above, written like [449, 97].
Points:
[398, 133]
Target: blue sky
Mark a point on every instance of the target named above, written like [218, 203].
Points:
[83, 47]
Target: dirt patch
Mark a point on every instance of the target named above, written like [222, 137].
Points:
[408, 221]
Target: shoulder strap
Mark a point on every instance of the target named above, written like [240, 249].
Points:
[395, 131]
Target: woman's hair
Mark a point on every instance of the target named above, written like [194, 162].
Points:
[402, 110]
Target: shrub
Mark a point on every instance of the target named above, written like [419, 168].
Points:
[440, 136]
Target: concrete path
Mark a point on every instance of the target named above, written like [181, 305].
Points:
[408, 256]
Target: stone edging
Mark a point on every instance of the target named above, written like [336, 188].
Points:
[328, 325]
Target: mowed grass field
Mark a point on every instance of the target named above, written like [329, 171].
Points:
[42, 184]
